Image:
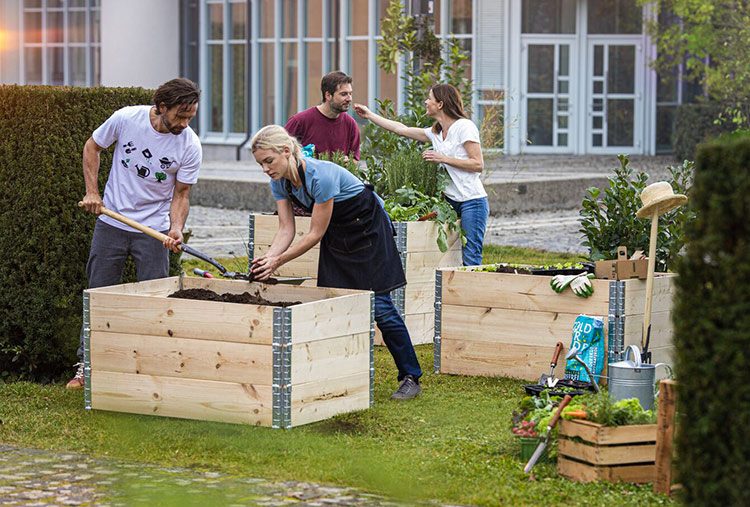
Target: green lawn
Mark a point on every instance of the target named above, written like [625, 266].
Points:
[452, 444]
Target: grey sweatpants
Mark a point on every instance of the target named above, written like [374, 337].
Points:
[110, 247]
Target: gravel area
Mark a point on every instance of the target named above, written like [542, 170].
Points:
[224, 232]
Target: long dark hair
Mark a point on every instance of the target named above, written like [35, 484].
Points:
[453, 106]
[177, 92]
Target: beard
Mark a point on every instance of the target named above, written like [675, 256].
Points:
[339, 108]
[173, 129]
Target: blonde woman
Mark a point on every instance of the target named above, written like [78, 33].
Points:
[357, 250]
[455, 145]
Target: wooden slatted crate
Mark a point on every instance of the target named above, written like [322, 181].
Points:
[146, 353]
[590, 452]
[504, 324]
[420, 256]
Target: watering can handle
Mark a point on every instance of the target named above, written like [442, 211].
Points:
[669, 372]
[636, 354]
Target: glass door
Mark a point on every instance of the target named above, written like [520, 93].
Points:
[613, 102]
[547, 112]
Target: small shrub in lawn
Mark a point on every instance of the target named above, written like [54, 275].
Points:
[608, 217]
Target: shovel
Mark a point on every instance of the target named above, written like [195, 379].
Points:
[547, 435]
[188, 250]
[549, 380]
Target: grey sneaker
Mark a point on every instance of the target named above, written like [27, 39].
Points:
[407, 390]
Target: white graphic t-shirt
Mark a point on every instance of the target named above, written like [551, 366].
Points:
[145, 167]
[464, 185]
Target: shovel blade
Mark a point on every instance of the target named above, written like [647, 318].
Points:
[537, 454]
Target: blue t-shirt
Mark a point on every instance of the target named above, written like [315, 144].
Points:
[324, 180]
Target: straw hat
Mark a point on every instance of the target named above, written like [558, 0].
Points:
[659, 198]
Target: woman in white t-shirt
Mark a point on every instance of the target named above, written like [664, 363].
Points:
[455, 145]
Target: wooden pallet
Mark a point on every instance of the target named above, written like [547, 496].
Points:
[420, 257]
[261, 365]
[501, 324]
[590, 452]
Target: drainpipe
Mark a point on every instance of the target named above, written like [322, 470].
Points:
[337, 35]
[248, 74]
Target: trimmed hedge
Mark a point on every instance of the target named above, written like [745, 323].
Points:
[712, 330]
[45, 238]
[694, 124]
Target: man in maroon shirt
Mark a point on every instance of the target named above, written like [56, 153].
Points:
[327, 125]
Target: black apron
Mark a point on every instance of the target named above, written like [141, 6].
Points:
[358, 250]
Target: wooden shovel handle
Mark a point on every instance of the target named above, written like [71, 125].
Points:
[558, 412]
[132, 223]
[556, 355]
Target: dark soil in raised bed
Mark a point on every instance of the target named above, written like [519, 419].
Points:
[244, 298]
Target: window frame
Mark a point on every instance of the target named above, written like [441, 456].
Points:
[90, 47]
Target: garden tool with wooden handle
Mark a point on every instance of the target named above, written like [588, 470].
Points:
[547, 434]
[550, 380]
[657, 198]
[161, 237]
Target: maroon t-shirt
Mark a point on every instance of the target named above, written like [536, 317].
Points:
[328, 135]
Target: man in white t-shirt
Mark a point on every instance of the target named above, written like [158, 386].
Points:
[156, 160]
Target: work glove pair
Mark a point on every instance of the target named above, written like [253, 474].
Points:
[580, 284]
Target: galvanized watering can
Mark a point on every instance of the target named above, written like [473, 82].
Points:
[633, 379]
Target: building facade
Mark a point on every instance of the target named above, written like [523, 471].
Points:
[564, 76]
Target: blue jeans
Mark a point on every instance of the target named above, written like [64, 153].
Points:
[396, 337]
[110, 247]
[473, 214]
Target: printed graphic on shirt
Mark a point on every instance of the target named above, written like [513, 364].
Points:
[129, 147]
[160, 176]
[147, 154]
[165, 163]
[143, 171]
[125, 163]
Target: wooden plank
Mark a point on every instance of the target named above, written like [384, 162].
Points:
[605, 435]
[582, 472]
[316, 401]
[157, 287]
[576, 471]
[181, 318]
[663, 293]
[607, 454]
[519, 292]
[419, 298]
[500, 325]
[421, 327]
[266, 226]
[661, 330]
[466, 357]
[327, 318]
[422, 237]
[183, 358]
[341, 356]
[304, 265]
[637, 474]
[183, 398]
[665, 428]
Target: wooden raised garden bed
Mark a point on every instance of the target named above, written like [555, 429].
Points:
[420, 256]
[590, 452]
[264, 365]
[506, 324]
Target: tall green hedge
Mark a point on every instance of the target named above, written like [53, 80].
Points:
[712, 330]
[44, 237]
[694, 124]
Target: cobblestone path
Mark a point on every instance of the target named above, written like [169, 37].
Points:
[31, 477]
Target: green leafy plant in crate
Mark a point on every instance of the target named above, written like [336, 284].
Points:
[608, 217]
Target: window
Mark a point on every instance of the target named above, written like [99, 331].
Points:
[548, 16]
[61, 43]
